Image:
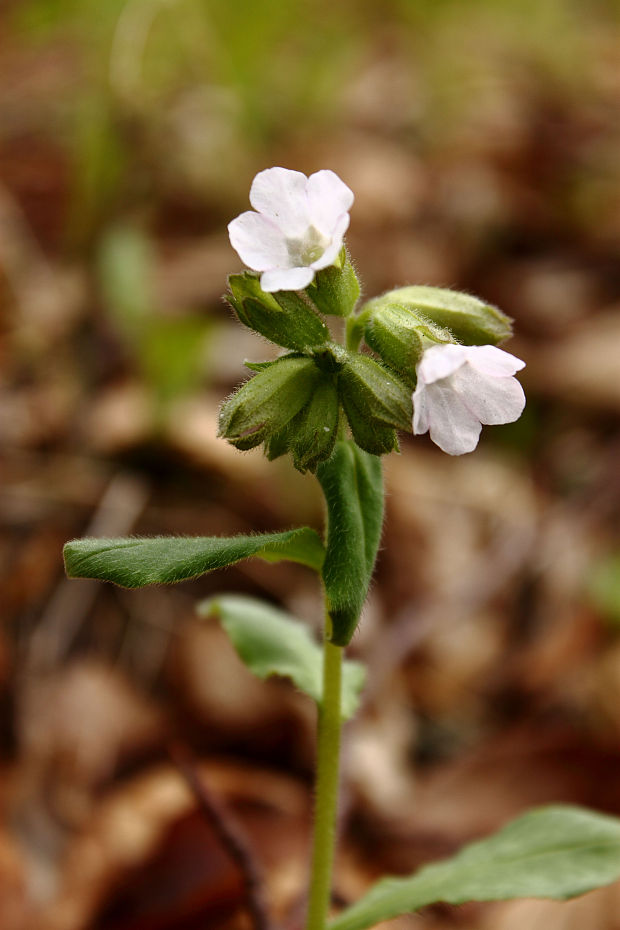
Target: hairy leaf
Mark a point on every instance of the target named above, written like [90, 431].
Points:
[271, 642]
[353, 486]
[142, 560]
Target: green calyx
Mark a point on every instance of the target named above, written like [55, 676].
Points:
[265, 404]
[311, 435]
[301, 403]
[376, 403]
[284, 317]
[294, 405]
[399, 337]
[336, 289]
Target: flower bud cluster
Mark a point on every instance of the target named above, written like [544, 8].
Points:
[297, 403]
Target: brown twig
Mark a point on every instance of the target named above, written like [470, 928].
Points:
[228, 833]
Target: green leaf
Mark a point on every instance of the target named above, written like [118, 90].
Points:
[552, 852]
[352, 483]
[143, 560]
[271, 642]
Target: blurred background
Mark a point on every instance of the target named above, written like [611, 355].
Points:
[482, 143]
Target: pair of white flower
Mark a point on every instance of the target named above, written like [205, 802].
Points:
[299, 229]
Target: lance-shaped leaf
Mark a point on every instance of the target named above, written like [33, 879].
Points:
[553, 852]
[143, 560]
[353, 486]
[271, 642]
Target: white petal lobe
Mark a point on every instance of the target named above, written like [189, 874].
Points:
[452, 426]
[328, 199]
[286, 279]
[492, 400]
[441, 361]
[281, 194]
[332, 251]
[258, 241]
[493, 361]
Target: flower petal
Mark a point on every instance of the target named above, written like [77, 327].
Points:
[332, 251]
[281, 195]
[491, 400]
[453, 427]
[286, 279]
[493, 361]
[328, 199]
[421, 420]
[258, 241]
[441, 361]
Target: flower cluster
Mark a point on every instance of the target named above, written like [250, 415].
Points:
[438, 368]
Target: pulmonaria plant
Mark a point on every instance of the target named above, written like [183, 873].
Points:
[298, 404]
[430, 363]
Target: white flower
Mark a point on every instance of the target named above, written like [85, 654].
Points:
[298, 229]
[461, 387]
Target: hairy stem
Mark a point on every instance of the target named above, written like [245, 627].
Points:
[326, 797]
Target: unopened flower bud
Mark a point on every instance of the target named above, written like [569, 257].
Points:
[335, 290]
[266, 403]
[469, 320]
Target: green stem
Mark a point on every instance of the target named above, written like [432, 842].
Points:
[326, 797]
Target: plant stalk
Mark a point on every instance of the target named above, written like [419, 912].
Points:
[326, 797]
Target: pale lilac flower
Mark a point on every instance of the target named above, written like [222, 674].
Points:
[461, 387]
[298, 229]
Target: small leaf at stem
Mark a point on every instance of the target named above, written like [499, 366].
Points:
[552, 852]
[272, 642]
[143, 560]
[352, 483]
